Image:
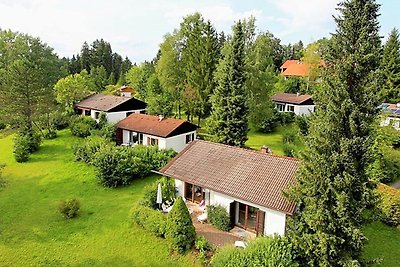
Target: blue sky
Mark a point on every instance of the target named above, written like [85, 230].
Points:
[135, 28]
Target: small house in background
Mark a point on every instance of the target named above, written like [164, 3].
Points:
[297, 68]
[249, 184]
[297, 103]
[126, 91]
[115, 107]
[391, 113]
[156, 131]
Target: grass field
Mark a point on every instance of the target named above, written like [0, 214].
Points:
[32, 232]
[384, 243]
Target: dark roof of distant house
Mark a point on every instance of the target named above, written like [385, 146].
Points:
[247, 175]
[292, 98]
[108, 103]
[391, 109]
[156, 125]
[126, 89]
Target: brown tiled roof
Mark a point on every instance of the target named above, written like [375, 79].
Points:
[102, 102]
[151, 124]
[291, 98]
[126, 89]
[244, 174]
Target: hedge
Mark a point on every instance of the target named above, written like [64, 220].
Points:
[151, 220]
[389, 205]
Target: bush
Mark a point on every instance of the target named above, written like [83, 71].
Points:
[85, 151]
[286, 117]
[151, 220]
[289, 149]
[263, 251]
[2, 125]
[289, 136]
[59, 119]
[180, 230]
[389, 205]
[3, 182]
[202, 243]
[106, 131]
[219, 217]
[82, 126]
[168, 191]
[49, 133]
[21, 148]
[303, 124]
[119, 165]
[69, 208]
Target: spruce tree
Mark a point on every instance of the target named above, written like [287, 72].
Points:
[228, 121]
[391, 68]
[333, 188]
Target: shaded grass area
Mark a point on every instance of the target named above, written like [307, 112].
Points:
[384, 243]
[33, 233]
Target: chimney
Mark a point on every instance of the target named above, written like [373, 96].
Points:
[298, 93]
[266, 150]
[160, 117]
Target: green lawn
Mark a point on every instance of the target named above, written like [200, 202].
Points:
[384, 243]
[272, 140]
[33, 233]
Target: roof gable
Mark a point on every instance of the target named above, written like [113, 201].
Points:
[110, 103]
[293, 99]
[151, 124]
[245, 174]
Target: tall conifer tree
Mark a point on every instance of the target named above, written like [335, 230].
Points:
[391, 68]
[229, 109]
[333, 187]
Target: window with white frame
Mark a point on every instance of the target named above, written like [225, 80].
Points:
[290, 108]
[189, 138]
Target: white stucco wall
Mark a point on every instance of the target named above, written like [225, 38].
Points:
[303, 109]
[274, 223]
[178, 142]
[114, 117]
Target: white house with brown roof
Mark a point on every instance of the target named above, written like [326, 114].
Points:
[155, 130]
[126, 91]
[249, 184]
[299, 104]
[115, 107]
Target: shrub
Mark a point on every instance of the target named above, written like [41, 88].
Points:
[389, 205]
[263, 251]
[82, 126]
[49, 133]
[168, 192]
[286, 117]
[2, 125]
[69, 208]
[289, 136]
[59, 119]
[21, 148]
[106, 131]
[2, 180]
[219, 217]
[151, 220]
[85, 151]
[202, 243]
[289, 149]
[303, 124]
[180, 230]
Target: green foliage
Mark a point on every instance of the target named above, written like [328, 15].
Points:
[303, 124]
[389, 205]
[24, 144]
[334, 189]
[286, 117]
[228, 121]
[219, 217]
[73, 88]
[168, 191]
[3, 182]
[2, 125]
[152, 220]
[202, 245]
[263, 251]
[82, 126]
[116, 166]
[49, 133]
[180, 231]
[390, 66]
[59, 119]
[69, 208]
[28, 72]
[99, 77]
[86, 150]
[289, 149]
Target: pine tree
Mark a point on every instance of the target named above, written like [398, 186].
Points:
[229, 109]
[391, 68]
[333, 187]
[85, 60]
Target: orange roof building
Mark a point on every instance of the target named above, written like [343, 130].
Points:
[296, 68]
